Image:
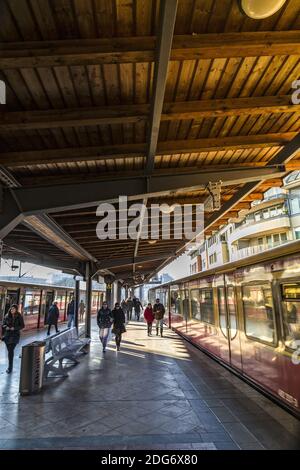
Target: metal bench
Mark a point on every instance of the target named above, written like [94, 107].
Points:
[65, 345]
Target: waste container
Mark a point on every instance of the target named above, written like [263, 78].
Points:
[32, 367]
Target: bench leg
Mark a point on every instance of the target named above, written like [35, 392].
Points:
[58, 371]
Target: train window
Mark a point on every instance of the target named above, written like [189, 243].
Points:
[195, 304]
[231, 306]
[185, 304]
[175, 302]
[206, 306]
[291, 314]
[31, 303]
[222, 310]
[258, 311]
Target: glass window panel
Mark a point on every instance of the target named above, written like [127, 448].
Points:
[185, 304]
[222, 310]
[231, 306]
[195, 304]
[258, 310]
[291, 323]
[31, 303]
[283, 237]
[176, 302]
[206, 305]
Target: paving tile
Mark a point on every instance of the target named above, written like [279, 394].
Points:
[155, 392]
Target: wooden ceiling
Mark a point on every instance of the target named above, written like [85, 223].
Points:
[80, 78]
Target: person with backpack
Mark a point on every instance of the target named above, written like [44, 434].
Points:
[159, 311]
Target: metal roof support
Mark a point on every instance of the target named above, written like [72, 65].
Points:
[58, 198]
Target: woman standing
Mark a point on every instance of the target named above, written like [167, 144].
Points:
[13, 323]
[104, 321]
[118, 324]
[149, 317]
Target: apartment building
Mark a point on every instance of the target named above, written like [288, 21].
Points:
[268, 223]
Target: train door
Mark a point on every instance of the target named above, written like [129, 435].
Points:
[233, 331]
[48, 302]
[230, 350]
[12, 297]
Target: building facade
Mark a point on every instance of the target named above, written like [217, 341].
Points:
[273, 221]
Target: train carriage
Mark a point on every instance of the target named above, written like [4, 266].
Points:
[34, 301]
[246, 315]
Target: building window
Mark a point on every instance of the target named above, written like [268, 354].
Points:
[283, 237]
[276, 239]
[213, 258]
[258, 311]
[297, 233]
[257, 216]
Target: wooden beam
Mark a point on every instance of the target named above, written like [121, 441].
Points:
[92, 116]
[64, 155]
[168, 10]
[141, 49]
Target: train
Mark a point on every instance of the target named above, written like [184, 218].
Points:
[34, 301]
[246, 315]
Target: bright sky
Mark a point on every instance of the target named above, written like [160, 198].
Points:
[178, 268]
[33, 270]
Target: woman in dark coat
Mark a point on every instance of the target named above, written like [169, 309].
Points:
[52, 318]
[12, 324]
[118, 324]
[104, 322]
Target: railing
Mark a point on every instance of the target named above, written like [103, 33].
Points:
[254, 250]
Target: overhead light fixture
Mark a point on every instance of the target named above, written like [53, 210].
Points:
[260, 9]
[166, 209]
[152, 242]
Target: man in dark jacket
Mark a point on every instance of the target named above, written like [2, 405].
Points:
[159, 311]
[118, 317]
[71, 313]
[52, 318]
[137, 308]
[129, 304]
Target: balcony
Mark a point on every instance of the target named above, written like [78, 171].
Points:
[258, 228]
[254, 250]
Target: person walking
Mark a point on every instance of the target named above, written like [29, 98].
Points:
[137, 308]
[71, 313]
[118, 324]
[129, 304]
[81, 310]
[159, 311]
[104, 322]
[52, 318]
[124, 308]
[149, 317]
[13, 323]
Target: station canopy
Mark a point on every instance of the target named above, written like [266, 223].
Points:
[186, 101]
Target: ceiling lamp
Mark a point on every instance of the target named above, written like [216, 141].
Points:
[166, 209]
[260, 9]
[152, 242]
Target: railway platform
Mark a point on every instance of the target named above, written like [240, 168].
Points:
[156, 393]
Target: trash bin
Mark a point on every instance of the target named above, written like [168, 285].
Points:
[32, 367]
